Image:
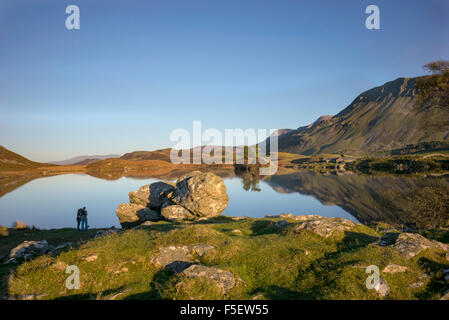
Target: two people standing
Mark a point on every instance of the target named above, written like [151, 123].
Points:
[81, 218]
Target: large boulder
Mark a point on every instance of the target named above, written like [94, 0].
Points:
[131, 214]
[176, 213]
[152, 195]
[203, 194]
[141, 196]
[159, 192]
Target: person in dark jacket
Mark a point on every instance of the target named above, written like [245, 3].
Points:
[79, 217]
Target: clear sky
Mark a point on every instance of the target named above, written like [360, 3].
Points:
[136, 70]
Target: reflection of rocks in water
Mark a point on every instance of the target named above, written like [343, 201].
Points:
[250, 176]
[415, 202]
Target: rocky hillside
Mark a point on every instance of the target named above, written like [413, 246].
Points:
[383, 118]
[10, 161]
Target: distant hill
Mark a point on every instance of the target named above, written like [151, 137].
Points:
[84, 159]
[383, 118]
[12, 161]
[162, 154]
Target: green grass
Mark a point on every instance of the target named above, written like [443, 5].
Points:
[267, 261]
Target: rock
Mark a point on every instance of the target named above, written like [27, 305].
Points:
[286, 215]
[28, 249]
[411, 244]
[445, 295]
[203, 194]
[281, 223]
[325, 227]
[159, 192]
[134, 214]
[237, 231]
[223, 279]
[59, 265]
[122, 270]
[394, 268]
[91, 258]
[188, 175]
[4, 232]
[382, 287]
[416, 285]
[20, 225]
[146, 224]
[176, 213]
[178, 258]
[446, 271]
[141, 196]
[201, 249]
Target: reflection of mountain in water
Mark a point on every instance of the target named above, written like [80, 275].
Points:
[421, 202]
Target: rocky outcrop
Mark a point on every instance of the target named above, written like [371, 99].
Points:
[323, 226]
[222, 279]
[411, 244]
[4, 231]
[27, 250]
[178, 258]
[203, 194]
[195, 195]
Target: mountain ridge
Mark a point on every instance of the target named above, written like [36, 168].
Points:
[379, 119]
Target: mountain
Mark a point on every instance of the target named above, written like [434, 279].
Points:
[10, 161]
[84, 159]
[383, 118]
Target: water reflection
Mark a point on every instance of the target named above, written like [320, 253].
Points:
[417, 202]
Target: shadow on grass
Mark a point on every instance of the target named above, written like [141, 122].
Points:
[437, 284]
[319, 278]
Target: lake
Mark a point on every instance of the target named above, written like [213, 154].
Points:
[52, 202]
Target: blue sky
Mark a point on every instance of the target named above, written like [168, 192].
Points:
[136, 70]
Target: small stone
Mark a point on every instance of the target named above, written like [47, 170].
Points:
[59, 265]
[4, 232]
[394, 268]
[237, 231]
[382, 287]
[91, 258]
[18, 225]
[416, 285]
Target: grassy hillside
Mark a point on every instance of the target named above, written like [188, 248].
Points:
[10, 161]
[267, 262]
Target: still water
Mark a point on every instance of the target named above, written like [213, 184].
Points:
[419, 202]
[52, 202]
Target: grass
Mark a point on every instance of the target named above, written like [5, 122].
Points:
[268, 262]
